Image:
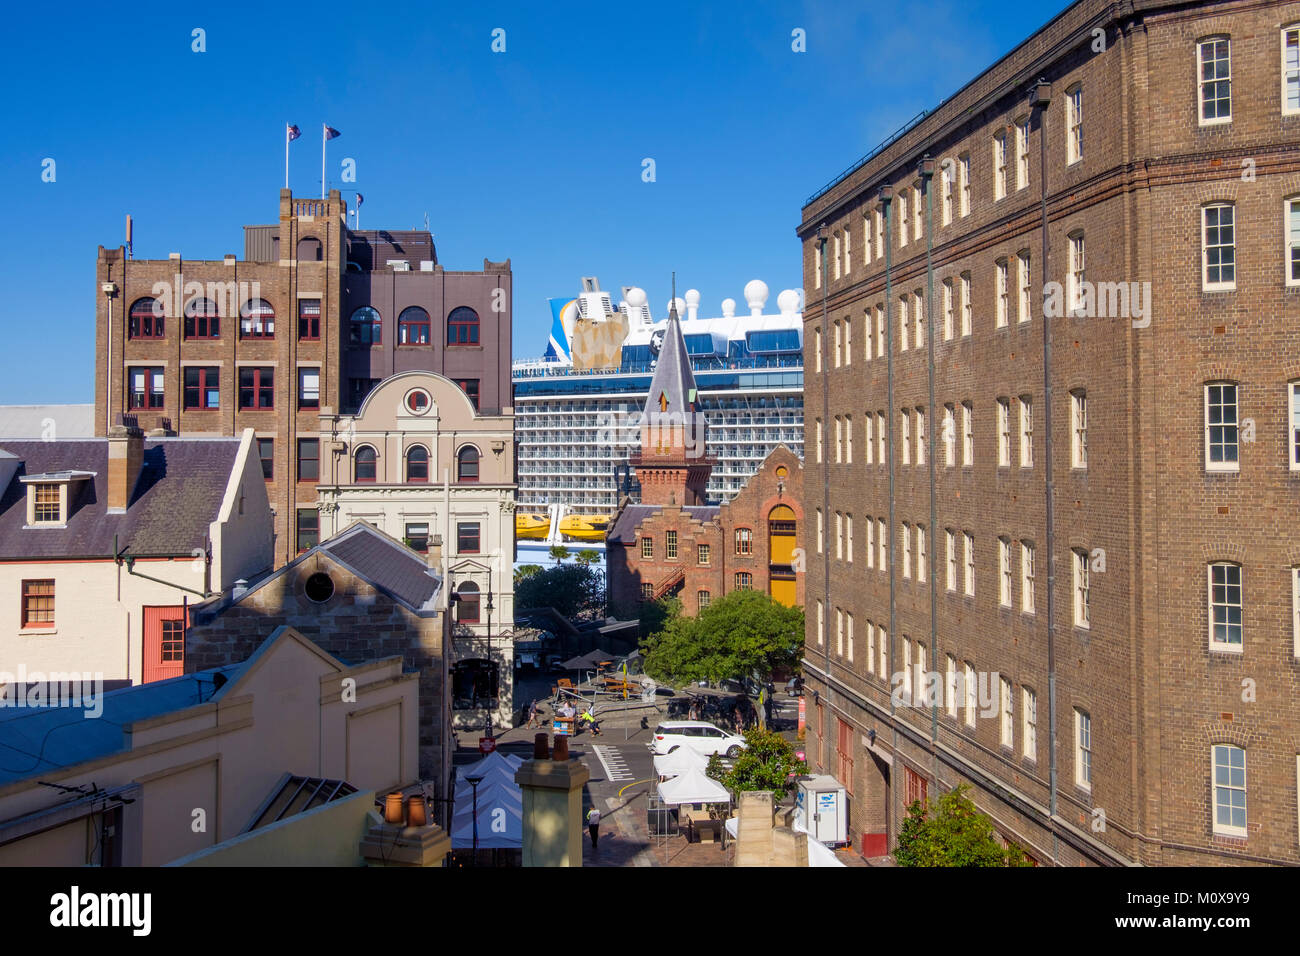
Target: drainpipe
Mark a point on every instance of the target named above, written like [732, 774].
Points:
[823, 360]
[886, 200]
[927, 175]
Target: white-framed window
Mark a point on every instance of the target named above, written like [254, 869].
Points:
[817, 343]
[1229, 769]
[1078, 428]
[950, 701]
[1291, 69]
[917, 229]
[882, 438]
[1293, 414]
[839, 440]
[1026, 432]
[821, 531]
[848, 439]
[1214, 66]
[848, 538]
[918, 320]
[972, 693]
[848, 636]
[922, 666]
[821, 623]
[871, 542]
[952, 559]
[817, 264]
[880, 331]
[1082, 749]
[1002, 284]
[947, 307]
[963, 183]
[1291, 232]
[839, 632]
[1082, 596]
[839, 536]
[970, 563]
[902, 218]
[967, 435]
[1004, 433]
[868, 424]
[1022, 152]
[1218, 247]
[837, 344]
[1074, 124]
[1026, 577]
[848, 341]
[882, 633]
[1004, 572]
[906, 443]
[848, 249]
[819, 440]
[945, 191]
[878, 217]
[882, 537]
[965, 304]
[1222, 448]
[1007, 714]
[1295, 611]
[1028, 723]
[871, 648]
[903, 323]
[920, 435]
[920, 553]
[907, 668]
[949, 435]
[1077, 273]
[835, 256]
[999, 164]
[905, 534]
[1225, 606]
[1024, 291]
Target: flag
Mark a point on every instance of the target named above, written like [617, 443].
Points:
[360, 199]
[292, 131]
[331, 133]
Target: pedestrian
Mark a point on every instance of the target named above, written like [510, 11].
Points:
[767, 709]
[590, 719]
[593, 825]
[532, 714]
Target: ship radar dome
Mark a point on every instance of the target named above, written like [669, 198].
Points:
[756, 295]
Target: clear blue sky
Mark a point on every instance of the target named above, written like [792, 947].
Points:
[533, 154]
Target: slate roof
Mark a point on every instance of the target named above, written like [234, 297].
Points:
[624, 530]
[179, 493]
[673, 377]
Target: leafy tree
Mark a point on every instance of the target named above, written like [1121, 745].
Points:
[766, 764]
[952, 833]
[588, 556]
[571, 589]
[525, 571]
[559, 552]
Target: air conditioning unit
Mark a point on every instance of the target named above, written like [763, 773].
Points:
[399, 265]
[426, 265]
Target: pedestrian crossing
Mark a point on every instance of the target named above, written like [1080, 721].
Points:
[612, 761]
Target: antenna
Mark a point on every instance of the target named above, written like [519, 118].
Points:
[426, 222]
[130, 251]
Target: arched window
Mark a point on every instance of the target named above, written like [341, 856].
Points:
[417, 463]
[744, 541]
[366, 327]
[462, 326]
[365, 460]
[744, 581]
[467, 464]
[413, 326]
[202, 320]
[257, 320]
[146, 319]
[467, 607]
[309, 249]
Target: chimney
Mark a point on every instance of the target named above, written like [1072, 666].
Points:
[125, 456]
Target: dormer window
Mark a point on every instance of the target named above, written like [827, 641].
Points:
[49, 496]
[47, 506]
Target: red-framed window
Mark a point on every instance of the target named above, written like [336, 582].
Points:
[257, 320]
[145, 387]
[917, 787]
[38, 604]
[202, 387]
[470, 387]
[417, 464]
[308, 459]
[257, 388]
[467, 464]
[467, 607]
[844, 750]
[308, 320]
[202, 320]
[744, 581]
[365, 460]
[744, 541]
[309, 388]
[308, 529]
[146, 319]
[366, 327]
[462, 326]
[413, 326]
[467, 537]
[266, 452]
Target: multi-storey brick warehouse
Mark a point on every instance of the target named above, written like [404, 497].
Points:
[1069, 569]
[194, 347]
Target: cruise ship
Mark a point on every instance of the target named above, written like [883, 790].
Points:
[578, 407]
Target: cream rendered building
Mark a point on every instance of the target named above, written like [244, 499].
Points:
[418, 462]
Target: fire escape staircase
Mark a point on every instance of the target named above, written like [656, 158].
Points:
[674, 577]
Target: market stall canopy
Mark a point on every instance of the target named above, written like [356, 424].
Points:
[588, 661]
[693, 787]
[500, 817]
[679, 762]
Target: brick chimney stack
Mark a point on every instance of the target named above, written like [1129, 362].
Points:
[125, 456]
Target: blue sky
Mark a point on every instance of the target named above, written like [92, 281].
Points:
[533, 154]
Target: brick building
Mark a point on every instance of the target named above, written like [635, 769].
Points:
[192, 347]
[1068, 566]
[675, 544]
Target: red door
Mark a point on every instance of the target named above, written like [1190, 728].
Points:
[164, 642]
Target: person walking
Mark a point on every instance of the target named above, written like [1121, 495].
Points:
[532, 714]
[593, 825]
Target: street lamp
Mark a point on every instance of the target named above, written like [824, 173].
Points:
[474, 782]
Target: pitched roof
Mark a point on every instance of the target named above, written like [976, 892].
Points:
[179, 492]
[672, 388]
[624, 529]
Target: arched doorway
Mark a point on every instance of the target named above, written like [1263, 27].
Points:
[782, 537]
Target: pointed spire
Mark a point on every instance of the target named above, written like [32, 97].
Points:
[672, 389]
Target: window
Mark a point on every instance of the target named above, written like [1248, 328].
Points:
[1004, 432]
[1215, 81]
[1002, 282]
[1004, 572]
[839, 632]
[1026, 577]
[906, 535]
[1022, 152]
[848, 340]
[309, 388]
[918, 320]
[365, 461]
[848, 538]
[1077, 273]
[648, 548]
[999, 165]
[257, 320]
[884, 544]
[1026, 432]
[308, 459]
[417, 464]
[703, 555]
[171, 648]
[647, 591]
[366, 328]
[821, 533]
[883, 634]
[47, 507]
[1291, 70]
[947, 310]
[1074, 124]
[1225, 606]
[702, 599]
[413, 326]
[879, 232]
[1295, 611]
[948, 432]
[202, 320]
[906, 687]
[467, 537]
[266, 452]
[848, 621]
[1292, 232]
[869, 421]
[972, 693]
[1229, 790]
[906, 443]
[308, 320]
[308, 529]
[882, 438]
[945, 191]
[417, 536]
[920, 553]
[970, 563]
[821, 623]
[146, 388]
[819, 441]
[839, 440]
[967, 435]
[902, 218]
[880, 331]
[670, 545]
[1082, 749]
[902, 324]
[963, 183]
[920, 436]
[467, 607]
[744, 581]
[462, 326]
[256, 388]
[1024, 297]
[38, 604]
[871, 542]
[952, 559]
[1221, 448]
[965, 304]
[146, 319]
[817, 264]
[950, 687]
[835, 257]
[1007, 714]
[1078, 429]
[917, 230]
[745, 540]
[202, 387]
[1293, 411]
[871, 648]
[470, 387]
[358, 389]
[1082, 597]
[866, 238]
[1218, 247]
[467, 464]
[1029, 723]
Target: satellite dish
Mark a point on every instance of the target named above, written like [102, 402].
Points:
[657, 341]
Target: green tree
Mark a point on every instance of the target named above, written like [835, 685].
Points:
[526, 571]
[571, 589]
[952, 833]
[766, 763]
[559, 552]
[588, 556]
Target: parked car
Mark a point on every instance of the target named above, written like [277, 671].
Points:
[698, 735]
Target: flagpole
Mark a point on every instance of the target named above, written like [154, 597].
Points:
[323, 128]
[286, 155]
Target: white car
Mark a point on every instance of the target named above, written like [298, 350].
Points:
[697, 735]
